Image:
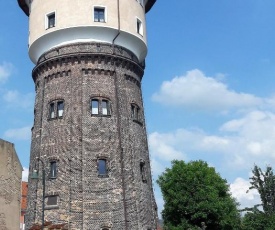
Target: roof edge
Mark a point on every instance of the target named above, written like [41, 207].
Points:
[23, 5]
[149, 5]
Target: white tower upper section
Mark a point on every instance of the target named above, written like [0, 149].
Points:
[53, 23]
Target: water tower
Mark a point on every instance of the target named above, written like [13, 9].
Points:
[89, 134]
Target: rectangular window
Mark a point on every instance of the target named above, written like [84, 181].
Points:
[52, 110]
[51, 20]
[102, 167]
[99, 14]
[139, 27]
[51, 201]
[95, 106]
[53, 169]
[142, 171]
[105, 107]
[60, 108]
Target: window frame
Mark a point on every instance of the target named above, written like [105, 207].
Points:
[143, 171]
[101, 111]
[106, 168]
[53, 170]
[139, 27]
[54, 111]
[51, 206]
[97, 9]
[48, 20]
[136, 113]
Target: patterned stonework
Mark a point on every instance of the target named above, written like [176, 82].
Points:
[122, 199]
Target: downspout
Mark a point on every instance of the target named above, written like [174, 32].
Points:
[118, 26]
[118, 120]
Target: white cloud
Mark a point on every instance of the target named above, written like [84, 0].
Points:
[25, 174]
[16, 100]
[197, 91]
[19, 134]
[239, 189]
[5, 71]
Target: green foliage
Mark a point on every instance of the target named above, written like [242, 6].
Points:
[256, 219]
[194, 193]
[264, 182]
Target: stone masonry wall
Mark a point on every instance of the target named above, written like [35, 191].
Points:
[124, 198]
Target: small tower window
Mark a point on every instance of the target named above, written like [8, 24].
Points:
[60, 108]
[139, 27]
[102, 167]
[105, 107]
[135, 113]
[99, 14]
[95, 106]
[51, 20]
[53, 169]
[142, 171]
[52, 110]
[56, 109]
[51, 202]
[100, 106]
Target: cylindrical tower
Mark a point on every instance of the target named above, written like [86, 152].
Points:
[89, 131]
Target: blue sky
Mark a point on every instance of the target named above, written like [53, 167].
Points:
[208, 88]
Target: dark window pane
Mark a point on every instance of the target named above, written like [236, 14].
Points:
[102, 167]
[51, 20]
[52, 110]
[53, 169]
[94, 106]
[51, 200]
[60, 108]
[105, 107]
[99, 15]
[142, 171]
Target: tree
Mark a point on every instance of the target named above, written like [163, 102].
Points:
[195, 194]
[264, 219]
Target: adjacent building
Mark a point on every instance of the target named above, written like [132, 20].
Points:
[10, 187]
[24, 193]
[89, 132]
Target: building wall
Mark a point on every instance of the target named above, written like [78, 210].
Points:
[78, 139]
[24, 192]
[79, 25]
[10, 186]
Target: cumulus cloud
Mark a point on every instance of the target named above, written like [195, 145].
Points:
[5, 71]
[15, 99]
[19, 134]
[197, 91]
[240, 190]
[25, 174]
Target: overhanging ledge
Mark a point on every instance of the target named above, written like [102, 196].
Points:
[23, 5]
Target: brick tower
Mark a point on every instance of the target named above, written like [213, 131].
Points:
[89, 134]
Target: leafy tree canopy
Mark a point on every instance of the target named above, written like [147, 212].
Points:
[257, 219]
[195, 194]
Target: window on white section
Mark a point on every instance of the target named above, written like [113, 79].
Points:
[139, 27]
[51, 20]
[99, 14]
